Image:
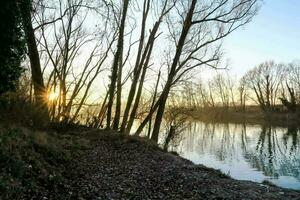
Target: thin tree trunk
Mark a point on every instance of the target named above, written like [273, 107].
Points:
[139, 64]
[119, 93]
[136, 102]
[116, 65]
[141, 58]
[186, 27]
[133, 84]
[159, 115]
[101, 112]
[153, 101]
[147, 118]
[147, 55]
[140, 88]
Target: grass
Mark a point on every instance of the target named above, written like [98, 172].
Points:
[30, 161]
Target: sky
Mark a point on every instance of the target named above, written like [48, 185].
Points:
[274, 33]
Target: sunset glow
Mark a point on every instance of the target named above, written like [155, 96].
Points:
[52, 96]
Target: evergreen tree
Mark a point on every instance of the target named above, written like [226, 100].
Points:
[12, 44]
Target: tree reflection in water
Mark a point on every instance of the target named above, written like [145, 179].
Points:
[243, 150]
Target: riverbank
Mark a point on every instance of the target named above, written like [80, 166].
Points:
[83, 163]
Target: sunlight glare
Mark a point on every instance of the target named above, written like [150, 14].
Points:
[52, 96]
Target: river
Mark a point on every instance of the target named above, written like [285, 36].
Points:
[244, 152]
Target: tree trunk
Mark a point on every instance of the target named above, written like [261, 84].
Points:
[159, 115]
[137, 101]
[101, 113]
[184, 32]
[115, 66]
[153, 101]
[145, 58]
[137, 72]
[119, 93]
[36, 72]
[140, 88]
[147, 118]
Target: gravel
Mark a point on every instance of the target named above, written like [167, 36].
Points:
[131, 168]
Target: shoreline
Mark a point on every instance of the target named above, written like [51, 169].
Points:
[107, 165]
[241, 117]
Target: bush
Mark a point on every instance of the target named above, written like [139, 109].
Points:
[18, 108]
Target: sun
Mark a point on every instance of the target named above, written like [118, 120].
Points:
[52, 96]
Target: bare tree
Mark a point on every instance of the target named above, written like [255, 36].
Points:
[203, 26]
[290, 87]
[142, 61]
[116, 63]
[242, 93]
[294, 78]
[265, 80]
[71, 74]
[220, 86]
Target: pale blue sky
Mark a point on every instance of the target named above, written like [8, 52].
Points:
[273, 34]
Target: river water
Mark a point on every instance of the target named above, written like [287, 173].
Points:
[244, 152]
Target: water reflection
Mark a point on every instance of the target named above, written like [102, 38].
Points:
[245, 152]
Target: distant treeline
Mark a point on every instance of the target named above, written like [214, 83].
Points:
[268, 87]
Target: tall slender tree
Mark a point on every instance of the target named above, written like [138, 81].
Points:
[116, 64]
